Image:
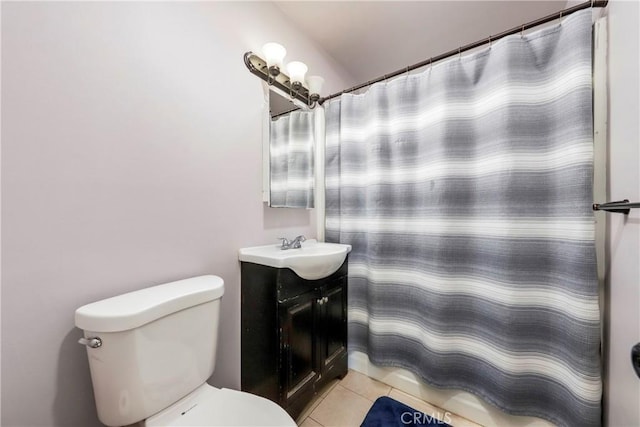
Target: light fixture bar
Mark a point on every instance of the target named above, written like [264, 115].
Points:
[258, 66]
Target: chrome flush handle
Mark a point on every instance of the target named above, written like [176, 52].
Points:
[93, 342]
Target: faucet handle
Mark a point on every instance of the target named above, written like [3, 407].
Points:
[285, 242]
[297, 242]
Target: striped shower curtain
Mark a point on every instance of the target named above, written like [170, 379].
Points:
[291, 148]
[466, 193]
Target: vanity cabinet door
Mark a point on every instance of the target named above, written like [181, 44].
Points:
[334, 325]
[332, 351]
[298, 317]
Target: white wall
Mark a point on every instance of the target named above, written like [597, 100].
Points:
[623, 330]
[131, 156]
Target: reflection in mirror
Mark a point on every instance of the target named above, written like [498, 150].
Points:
[291, 149]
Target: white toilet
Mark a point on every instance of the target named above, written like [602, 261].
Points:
[151, 352]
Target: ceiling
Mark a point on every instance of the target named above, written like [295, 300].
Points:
[371, 38]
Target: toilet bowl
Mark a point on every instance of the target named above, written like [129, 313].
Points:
[209, 406]
[150, 353]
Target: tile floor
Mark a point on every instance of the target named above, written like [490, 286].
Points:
[345, 403]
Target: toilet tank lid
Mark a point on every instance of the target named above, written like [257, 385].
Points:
[137, 308]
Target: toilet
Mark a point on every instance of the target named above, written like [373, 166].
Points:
[151, 352]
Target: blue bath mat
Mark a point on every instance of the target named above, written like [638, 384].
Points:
[387, 412]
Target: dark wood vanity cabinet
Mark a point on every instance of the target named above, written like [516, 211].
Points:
[294, 333]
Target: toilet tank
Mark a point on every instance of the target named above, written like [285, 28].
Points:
[157, 345]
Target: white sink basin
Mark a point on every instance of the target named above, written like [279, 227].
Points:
[314, 260]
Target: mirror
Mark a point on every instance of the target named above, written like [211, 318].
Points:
[291, 153]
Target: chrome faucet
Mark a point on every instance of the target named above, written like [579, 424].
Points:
[292, 244]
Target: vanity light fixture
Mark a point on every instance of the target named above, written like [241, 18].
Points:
[314, 83]
[274, 54]
[293, 82]
[297, 70]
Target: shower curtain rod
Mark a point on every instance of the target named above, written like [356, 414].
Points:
[622, 206]
[461, 49]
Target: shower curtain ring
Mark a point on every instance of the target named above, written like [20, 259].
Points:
[560, 18]
[522, 32]
[489, 42]
[460, 53]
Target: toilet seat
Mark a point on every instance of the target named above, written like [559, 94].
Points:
[210, 406]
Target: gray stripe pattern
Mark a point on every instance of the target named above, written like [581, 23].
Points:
[291, 160]
[465, 192]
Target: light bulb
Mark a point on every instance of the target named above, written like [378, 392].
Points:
[274, 54]
[296, 71]
[315, 85]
